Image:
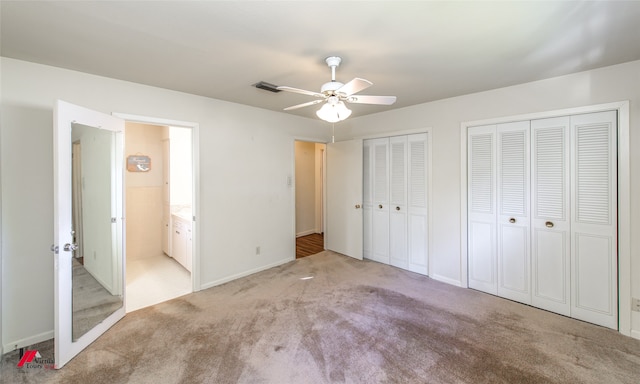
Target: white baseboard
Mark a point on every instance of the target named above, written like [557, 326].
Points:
[305, 233]
[35, 339]
[447, 280]
[246, 273]
[635, 334]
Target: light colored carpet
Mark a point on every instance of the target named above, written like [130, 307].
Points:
[352, 322]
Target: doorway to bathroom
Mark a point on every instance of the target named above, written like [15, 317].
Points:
[159, 213]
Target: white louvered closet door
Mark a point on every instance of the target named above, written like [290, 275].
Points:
[380, 209]
[481, 206]
[398, 253]
[417, 203]
[594, 220]
[367, 199]
[513, 221]
[550, 252]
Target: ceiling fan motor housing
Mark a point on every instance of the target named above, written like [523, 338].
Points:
[330, 87]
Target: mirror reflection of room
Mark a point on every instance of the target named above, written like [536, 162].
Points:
[158, 214]
[96, 274]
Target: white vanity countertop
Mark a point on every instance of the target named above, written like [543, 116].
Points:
[182, 211]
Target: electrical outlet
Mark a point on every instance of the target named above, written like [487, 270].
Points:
[635, 304]
[257, 250]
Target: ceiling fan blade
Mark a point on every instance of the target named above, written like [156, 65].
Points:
[297, 90]
[303, 105]
[354, 86]
[365, 99]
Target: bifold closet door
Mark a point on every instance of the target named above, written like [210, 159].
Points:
[513, 220]
[367, 199]
[380, 206]
[481, 206]
[499, 222]
[398, 252]
[594, 251]
[417, 203]
[551, 252]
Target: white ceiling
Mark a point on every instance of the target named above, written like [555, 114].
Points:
[417, 51]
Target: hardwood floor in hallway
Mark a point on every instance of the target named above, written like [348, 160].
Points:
[309, 245]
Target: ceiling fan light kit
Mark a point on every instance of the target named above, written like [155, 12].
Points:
[335, 93]
[333, 113]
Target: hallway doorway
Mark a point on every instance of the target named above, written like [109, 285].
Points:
[309, 193]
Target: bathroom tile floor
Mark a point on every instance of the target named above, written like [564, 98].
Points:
[155, 279]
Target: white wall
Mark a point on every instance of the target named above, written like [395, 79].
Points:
[245, 159]
[605, 85]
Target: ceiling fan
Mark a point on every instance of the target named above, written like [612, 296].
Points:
[335, 93]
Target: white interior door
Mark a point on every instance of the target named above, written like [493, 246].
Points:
[344, 198]
[103, 230]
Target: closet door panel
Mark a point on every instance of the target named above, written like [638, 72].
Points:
[482, 208]
[513, 217]
[380, 209]
[594, 218]
[550, 270]
[550, 222]
[367, 199]
[417, 207]
[398, 255]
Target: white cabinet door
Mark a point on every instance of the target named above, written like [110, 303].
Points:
[594, 218]
[398, 255]
[189, 252]
[550, 252]
[178, 241]
[380, 210]
[417, 203]
[344, 198]
[513, 211]
[482, 208]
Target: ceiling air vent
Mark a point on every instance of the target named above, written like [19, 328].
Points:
[267, 86]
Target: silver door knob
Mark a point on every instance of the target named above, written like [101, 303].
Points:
[70, 247]
[548, 224]
[512, 220]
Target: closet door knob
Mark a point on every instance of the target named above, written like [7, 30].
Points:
[357, 206]
[512, 220]
[397, 208]
[70, 247]
[380, 206]
[549, 224]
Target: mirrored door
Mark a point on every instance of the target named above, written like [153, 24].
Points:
[89, 253]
